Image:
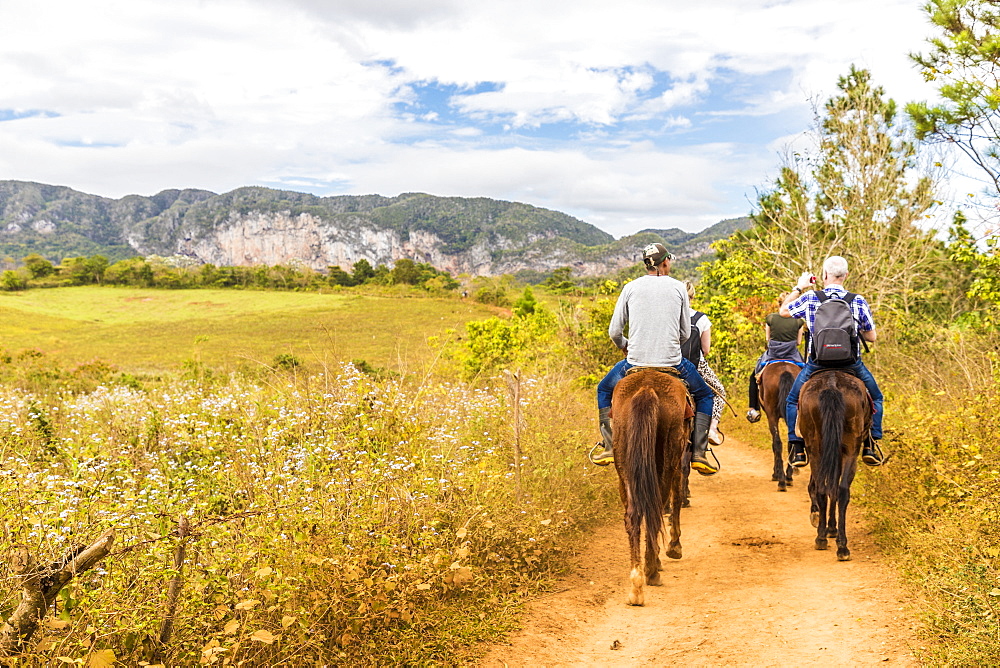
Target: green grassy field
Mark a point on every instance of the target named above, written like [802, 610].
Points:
[142, 330]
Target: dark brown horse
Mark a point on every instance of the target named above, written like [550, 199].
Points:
[775, 381]
[650, 432]
[834, 417]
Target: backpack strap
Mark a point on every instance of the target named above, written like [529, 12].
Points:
[849, 298]
[696, 317]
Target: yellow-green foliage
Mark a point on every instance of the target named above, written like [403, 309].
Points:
[337, 518]
[934, 503]
[501, 342]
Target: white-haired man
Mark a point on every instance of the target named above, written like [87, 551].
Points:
[803, 303]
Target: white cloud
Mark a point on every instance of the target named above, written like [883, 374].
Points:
[632, 114]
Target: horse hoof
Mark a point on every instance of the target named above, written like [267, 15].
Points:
[686, 503]
[831, 533]
[654, 580]
[814, 519]
[843, 554]
[821, 543]
[674, 553]
[635, 599]
[776, 478]
[782, 487]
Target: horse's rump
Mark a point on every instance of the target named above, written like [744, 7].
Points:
[833, 416]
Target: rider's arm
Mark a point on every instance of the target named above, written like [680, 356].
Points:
[706, 341]
[619, 318]
[805, 280]
[792, 296]
[869, 336]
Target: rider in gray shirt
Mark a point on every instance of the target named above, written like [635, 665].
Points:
[655, 308]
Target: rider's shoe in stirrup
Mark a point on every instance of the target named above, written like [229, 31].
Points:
[753, 415]
[601, 455]
[797, 456]
[699, 446]
[871, 454]
[700, 463]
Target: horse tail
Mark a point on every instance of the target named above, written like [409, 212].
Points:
[831, 411]
[644, 500]
[785, 382]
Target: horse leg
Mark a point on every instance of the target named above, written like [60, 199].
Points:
[685, 488]
[850, 466]
[813, 504]
[778, 469]
[677, 484]
[821, 510]
[636, 577]
[831, 520]
[777, 472]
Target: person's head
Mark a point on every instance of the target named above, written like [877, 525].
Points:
[781, 298]
[690, 288]
[834, 270]
[657, 259]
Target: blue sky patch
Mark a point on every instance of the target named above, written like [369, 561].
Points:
[18, 114]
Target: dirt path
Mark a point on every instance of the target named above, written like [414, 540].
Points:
[750, 590]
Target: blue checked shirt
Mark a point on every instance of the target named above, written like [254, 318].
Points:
[807, 303]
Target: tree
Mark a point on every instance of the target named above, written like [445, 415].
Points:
[362, 271]
[860, 195]
[964, 62]
[38, 266]
[405, 271]
[526, 303]
[338, 276]
[12, 280]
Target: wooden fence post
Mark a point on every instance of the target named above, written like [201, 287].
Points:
[514, 388]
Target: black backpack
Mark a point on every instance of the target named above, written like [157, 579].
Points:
[691, 348]
[835, 340]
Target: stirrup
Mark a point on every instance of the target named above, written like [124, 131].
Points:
[697, 466]
[598, 449]
[797, 464]
[753, 415]
[875, 457]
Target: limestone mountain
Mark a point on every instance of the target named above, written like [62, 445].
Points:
[255, 225]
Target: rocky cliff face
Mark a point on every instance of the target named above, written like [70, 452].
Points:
[278, 238]
[253, 226]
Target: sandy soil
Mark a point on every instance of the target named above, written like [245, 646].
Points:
[751, 589]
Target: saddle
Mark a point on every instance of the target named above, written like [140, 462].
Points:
[768, 362]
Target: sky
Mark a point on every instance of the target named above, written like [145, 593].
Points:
[629, 115]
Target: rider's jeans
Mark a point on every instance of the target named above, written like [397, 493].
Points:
[860, 370]
[700, 390]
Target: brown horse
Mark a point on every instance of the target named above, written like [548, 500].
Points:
[775, 381]
[650, 432]
[834, 417]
